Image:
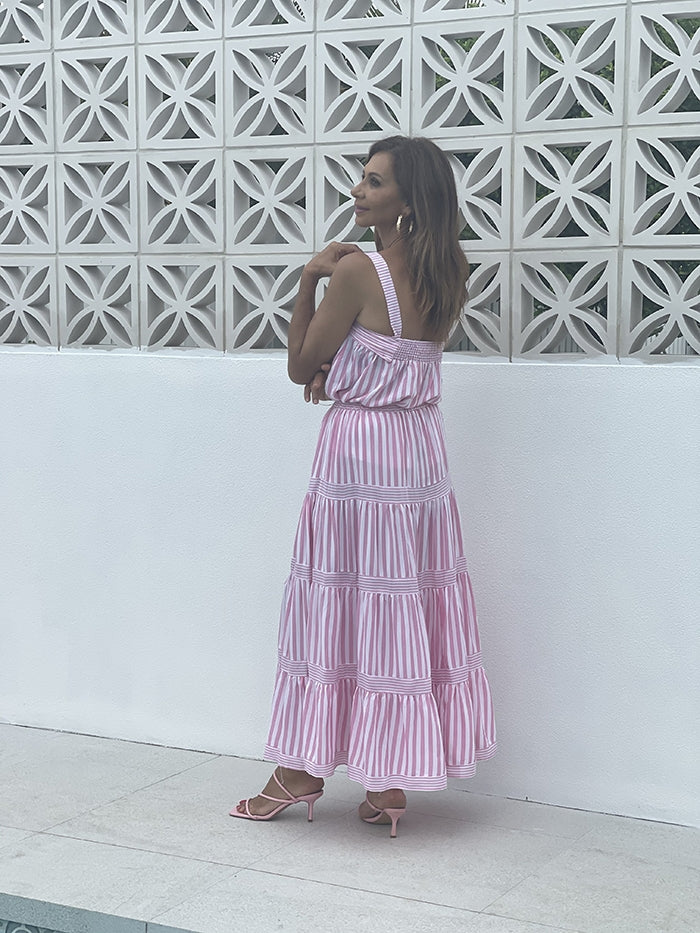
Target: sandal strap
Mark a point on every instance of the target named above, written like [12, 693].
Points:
[289, 798]
[278, 782]
[373, 806]
[246, 802]
[273, 799]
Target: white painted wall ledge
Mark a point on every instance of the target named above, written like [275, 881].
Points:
[148, 505]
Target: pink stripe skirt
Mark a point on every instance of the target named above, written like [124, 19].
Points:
[379, 658]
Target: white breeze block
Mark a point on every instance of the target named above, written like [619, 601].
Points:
[168, 166]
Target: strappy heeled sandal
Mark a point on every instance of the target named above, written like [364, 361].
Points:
[394, 814]
[288, 801]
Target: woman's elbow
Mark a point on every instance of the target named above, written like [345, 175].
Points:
[296, 373]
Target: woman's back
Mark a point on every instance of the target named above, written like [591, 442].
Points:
[374, 314]
[378, 366]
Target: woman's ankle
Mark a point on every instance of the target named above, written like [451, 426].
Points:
[293, 777]
[392, 797]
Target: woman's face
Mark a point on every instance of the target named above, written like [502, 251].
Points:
[378, 201]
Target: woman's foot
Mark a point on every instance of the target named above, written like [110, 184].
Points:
[297, 783]
[394, 799]
[383, 807]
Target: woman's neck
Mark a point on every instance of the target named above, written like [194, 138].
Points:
[391, 239]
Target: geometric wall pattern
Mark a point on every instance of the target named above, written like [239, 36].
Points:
[168, 166]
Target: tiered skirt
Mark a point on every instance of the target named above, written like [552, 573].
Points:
[379, 664]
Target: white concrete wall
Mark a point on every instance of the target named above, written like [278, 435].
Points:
[148, 505]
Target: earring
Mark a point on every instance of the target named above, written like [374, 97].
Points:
[399, 221]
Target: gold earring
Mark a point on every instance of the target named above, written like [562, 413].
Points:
[399, 221]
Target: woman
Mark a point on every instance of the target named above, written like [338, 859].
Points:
[379, 664]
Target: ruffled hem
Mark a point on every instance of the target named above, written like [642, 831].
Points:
[388, 781]
[414, 741]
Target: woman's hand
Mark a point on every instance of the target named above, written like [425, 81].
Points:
[324, 263]
[315, 391]
[316, 333]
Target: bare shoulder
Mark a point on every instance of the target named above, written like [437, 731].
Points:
[357, 262]
[355, 269]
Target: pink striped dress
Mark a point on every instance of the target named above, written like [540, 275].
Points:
[379, 664]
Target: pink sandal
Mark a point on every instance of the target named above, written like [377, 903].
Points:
[308, 799]
[394, 814]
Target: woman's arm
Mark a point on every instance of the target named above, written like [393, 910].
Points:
[315, 335]
[315, 391]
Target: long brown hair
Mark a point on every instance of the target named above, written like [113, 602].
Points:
[438, 268]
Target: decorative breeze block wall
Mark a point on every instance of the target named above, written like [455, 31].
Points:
[168, 166]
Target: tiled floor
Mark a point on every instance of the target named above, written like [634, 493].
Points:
[141, 832]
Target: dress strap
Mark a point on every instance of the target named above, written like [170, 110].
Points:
[392, 302]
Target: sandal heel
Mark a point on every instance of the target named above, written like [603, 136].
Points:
[310, 800]
[394, 815]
